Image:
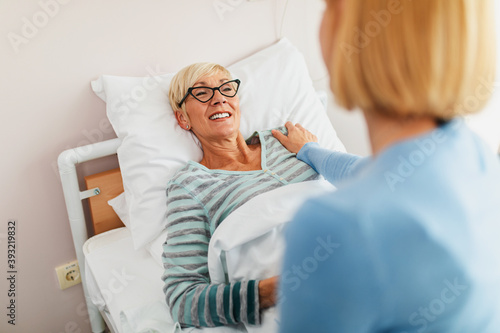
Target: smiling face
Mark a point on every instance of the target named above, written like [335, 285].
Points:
[216, 120]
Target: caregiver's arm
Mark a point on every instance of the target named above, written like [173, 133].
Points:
[333, 165]
[193, 300]
[343, 292]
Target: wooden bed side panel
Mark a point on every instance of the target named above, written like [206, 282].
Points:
[110, 184]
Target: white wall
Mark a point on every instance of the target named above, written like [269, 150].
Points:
[47, 106]
[487, 123]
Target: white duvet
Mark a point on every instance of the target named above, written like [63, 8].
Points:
[251, 237]
[249, 244]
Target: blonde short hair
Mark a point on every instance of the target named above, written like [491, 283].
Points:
[414, 58]
[187, 77]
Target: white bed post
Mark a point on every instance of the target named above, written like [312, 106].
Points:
[73, 196]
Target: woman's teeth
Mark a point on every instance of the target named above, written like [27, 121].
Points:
[219, 115]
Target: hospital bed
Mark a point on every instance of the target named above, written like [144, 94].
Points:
[121, 263]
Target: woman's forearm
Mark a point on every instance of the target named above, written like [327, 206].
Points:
[333, 165]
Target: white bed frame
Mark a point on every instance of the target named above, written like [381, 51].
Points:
[73, 197]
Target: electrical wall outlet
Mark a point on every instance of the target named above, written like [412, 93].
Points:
[68, 274]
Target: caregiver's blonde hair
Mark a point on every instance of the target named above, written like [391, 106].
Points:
[410, 58]
[187, 77]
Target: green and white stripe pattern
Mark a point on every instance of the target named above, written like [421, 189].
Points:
[198, 200]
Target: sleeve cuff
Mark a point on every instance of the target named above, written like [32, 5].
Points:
[253, 304]
[303, 152]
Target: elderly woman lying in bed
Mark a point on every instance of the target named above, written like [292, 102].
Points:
[232, 171]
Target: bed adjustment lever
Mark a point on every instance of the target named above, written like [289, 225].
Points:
[89, 193]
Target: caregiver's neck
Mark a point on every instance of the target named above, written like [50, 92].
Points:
[385, 131]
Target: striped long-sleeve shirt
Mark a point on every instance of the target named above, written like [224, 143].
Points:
[198, 200]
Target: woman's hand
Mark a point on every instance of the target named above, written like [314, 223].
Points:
[297, 137]
[267, 292]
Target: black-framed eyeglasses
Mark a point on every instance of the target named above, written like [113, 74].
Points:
[204, 94]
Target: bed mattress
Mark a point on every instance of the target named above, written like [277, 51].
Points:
[125, 284]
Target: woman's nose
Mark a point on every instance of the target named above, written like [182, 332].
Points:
[218, 98]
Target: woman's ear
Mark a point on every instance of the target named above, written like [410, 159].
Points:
[182, 120]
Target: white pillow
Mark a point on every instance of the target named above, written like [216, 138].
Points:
[275, 87]
[155, 247]
[119, 205]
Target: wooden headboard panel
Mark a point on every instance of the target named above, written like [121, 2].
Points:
[110, 183]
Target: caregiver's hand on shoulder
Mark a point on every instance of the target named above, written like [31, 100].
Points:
[297, 137]
[267, 292]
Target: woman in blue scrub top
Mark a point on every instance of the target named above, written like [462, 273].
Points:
[409, 242]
